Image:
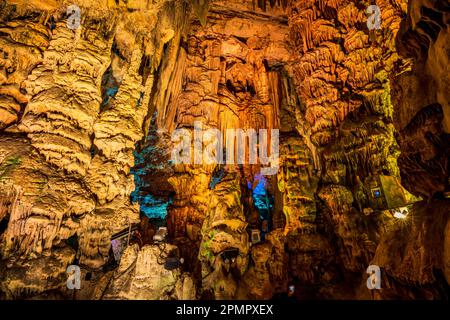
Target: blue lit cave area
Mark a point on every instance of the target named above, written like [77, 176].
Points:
[260, 197]
[152, 191]
[262, 203]
[153, 206]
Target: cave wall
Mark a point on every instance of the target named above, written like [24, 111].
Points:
[421, 112]
[66, 151]
[86, 118]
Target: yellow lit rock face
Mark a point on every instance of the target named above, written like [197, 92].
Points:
[88, 107]
[339, 67]
[22, 44]
[51, 91]
[297, 182]
[147, 278]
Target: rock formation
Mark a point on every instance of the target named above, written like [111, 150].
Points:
[96, 97]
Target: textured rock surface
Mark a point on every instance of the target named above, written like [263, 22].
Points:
[141, 275]
[86, 117]
[421, 111]
[68, 159]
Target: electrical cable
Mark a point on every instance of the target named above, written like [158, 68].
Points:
[161, 251]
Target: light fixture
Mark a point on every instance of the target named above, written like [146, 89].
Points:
[376, 193]
[401, 213]
[160, 235]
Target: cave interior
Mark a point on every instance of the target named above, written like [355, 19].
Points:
[315, 147]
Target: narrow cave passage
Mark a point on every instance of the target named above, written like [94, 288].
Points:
[152, 192]
[262, 204]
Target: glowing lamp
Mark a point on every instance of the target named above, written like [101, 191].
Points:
[401, 213]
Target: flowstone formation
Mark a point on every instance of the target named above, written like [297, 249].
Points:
[68, 151]
[96, 96]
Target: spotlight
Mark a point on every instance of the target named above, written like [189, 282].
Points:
[401, 213]
[160, 235]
